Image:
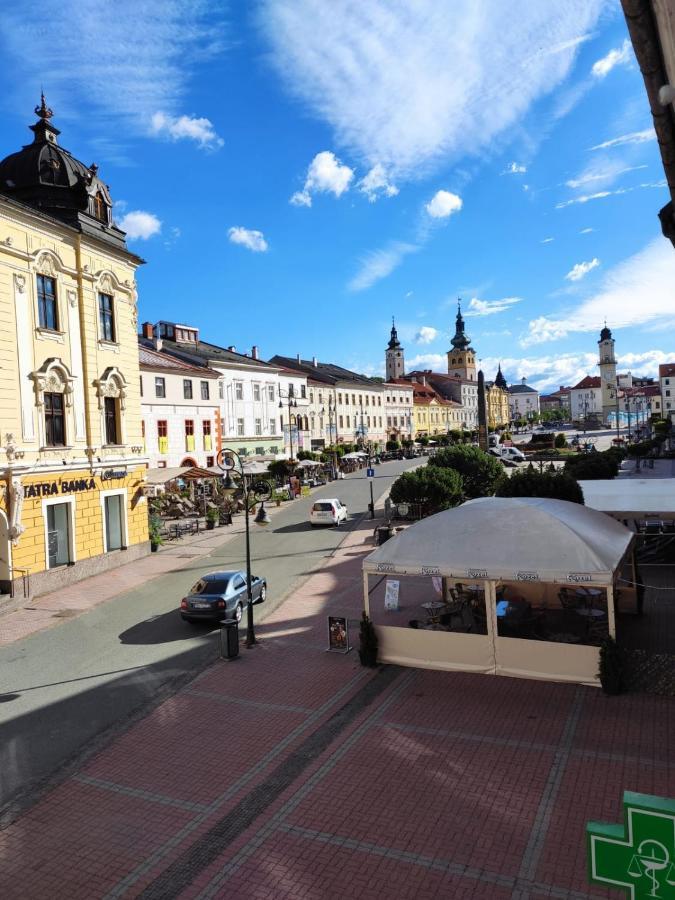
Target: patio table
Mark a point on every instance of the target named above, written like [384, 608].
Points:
[434, 607]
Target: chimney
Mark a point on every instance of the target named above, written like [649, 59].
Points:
[298, 358]
[254, 352]
[148, 330]
[158, 343]
[424, 380]
[232, 348]
[314, 362]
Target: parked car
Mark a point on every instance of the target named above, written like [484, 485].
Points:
[327, 512]
[221, 595]
[507, 454]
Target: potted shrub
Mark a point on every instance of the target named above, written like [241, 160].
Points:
[212, 518]
[155, 533]
[611, 667]
[367, 642]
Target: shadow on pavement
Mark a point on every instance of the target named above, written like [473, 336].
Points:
[165, 628]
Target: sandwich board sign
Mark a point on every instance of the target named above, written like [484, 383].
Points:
[338, 634]
[638, 856]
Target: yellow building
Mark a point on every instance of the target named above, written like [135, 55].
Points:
[71, 460]
[432, 413]
[497, 396]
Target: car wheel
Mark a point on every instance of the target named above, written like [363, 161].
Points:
[263, 593]
[238, 612]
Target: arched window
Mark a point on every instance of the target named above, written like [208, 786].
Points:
[100, 208]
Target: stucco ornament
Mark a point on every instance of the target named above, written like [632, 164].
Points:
[112, 383]
[15, 497]
[20, 283]
[46, 264]
[53, 377]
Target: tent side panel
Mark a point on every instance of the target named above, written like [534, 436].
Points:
[436, 649]
[548, 661]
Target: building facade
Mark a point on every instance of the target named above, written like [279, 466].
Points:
[667, 385]
[180, 413]
[73, 469]
[497, 399]
[523, 401]
[586, 399]
[399, 410]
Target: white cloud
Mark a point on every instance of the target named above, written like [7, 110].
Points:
[412, 85]
[443, 204]
[635, 137]
[621, 57]
[96, 64]
[325, 175]
[514, 168]
[437, 362]
[376, 184]
[247, 237]
[605, 172]
[379, 263]
[490, 307]
[547, 240]
[190, 128]
[636, 292]
[426, 335]
[600, 195]
[140, 225]
[586, 230]
[580, 270]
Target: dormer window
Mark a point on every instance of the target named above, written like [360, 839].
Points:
[100, 208]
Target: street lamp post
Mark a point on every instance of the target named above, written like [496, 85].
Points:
[332, 413]
[230, 463]
[292, 403]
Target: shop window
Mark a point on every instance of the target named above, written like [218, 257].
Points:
[160, 387]
[58, 535]
[260, 451]
[189, 435]
[162, 436]
[55, 431]
[110, 414]
[113, 513]
[47, 309]
[187, 389]
[204, 385]
[106, 318]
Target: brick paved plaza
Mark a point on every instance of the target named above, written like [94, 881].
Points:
[293, 772]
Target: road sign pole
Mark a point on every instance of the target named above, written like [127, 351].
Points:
[372, 501]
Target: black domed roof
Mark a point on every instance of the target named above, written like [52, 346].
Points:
[605, 334]
[46, 176]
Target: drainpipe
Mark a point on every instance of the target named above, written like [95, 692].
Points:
[85, 355]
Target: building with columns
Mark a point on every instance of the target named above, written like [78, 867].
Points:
[72, 465]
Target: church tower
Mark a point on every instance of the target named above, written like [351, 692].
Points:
[607, 366]
[395, 362]
[461, 356]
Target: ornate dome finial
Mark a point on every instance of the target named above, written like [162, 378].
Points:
[43, 111]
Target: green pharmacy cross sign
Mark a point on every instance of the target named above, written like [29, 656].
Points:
[638, 856]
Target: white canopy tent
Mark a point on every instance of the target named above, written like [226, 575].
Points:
[532, 542]
[634, 499]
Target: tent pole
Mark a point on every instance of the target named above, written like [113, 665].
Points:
[490, 593]
[611, 619]
[366, 603]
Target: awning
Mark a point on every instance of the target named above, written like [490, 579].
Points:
[162, 476]
[632, 498]
[508, 538]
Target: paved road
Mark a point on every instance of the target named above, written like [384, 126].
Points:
[62, 689]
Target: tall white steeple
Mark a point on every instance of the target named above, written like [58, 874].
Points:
[607, 366]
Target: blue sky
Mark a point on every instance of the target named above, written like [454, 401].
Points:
[296, 172]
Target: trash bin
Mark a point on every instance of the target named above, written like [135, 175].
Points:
[229, 639]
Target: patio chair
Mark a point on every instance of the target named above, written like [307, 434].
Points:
[569, 599]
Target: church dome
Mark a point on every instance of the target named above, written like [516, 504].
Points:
[46, 176]
[605, 334]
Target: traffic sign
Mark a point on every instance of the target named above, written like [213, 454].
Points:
[637, 857]
[370, 473]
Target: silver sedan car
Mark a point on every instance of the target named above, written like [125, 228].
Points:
[221, 595]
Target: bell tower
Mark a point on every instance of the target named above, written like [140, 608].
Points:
[394, 359]
[607, 366]
[461, 356]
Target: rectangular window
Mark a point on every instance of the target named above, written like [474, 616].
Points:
[353, 399]
[258, 426]
[113, 522]
[239, 390]
[240, 427]
[303, 391]
[347, 417]
[270, 392]
[291, 390]
[210, 460]
[273, 426]
[260, 451]
[221, 390]
[206, 434]
[341, 422]
[187, 389]
[105, 317]
[256, 391]
[668, 393]
[204, 385]
[162, 436]
[340, 398]
[189, 435]
[110, 413]
[47, 310]
[141, 384]
[55, 432]
[58, 534]
[160, 387]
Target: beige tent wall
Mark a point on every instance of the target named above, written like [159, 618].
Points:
[436, 650]
[547, 661]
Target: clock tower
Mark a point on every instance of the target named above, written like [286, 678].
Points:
[607, 366]
[394, 359]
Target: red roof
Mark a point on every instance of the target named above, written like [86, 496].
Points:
[590, 381]
[666, 370]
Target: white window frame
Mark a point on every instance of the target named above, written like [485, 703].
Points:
[239, 389]
[125, 526]
[256, 391]
[72, 544]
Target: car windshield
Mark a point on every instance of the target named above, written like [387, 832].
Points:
[212, 586]
[322, 507]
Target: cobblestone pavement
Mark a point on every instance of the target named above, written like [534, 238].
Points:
[295, 773]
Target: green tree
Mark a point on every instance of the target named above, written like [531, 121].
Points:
[481, 472]
[560, 440]
[280, 469]
[433, 488]
[392, 446]
[557, 485]
[594, 466]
